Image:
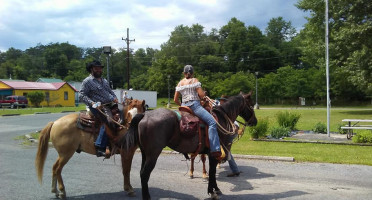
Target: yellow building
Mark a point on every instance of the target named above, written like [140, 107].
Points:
[56, 94]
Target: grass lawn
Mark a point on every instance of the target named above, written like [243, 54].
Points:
[307, 152]
[30, 110]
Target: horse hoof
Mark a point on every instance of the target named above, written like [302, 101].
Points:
[218, 192]
[214, 196]
[191, 177]
[131, 193]
[62, 196]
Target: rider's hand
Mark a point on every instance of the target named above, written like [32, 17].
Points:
[116, 100]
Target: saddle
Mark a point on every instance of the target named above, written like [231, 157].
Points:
[190, 125]
[88, 123]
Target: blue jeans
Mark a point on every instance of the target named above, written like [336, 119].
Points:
[101, 141]
[203, 114]
[233, 166]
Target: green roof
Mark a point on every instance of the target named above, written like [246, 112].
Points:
[49, 80]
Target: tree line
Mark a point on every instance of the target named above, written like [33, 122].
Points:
[287, 64]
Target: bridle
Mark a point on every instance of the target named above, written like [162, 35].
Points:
[251, 110]
[230, 124]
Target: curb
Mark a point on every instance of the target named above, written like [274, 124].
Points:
[270, 158]
[315, 142]
[250, 157]
[67, 111]
[5, 115]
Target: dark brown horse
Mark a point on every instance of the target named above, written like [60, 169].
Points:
[160, 128]
[67, 138]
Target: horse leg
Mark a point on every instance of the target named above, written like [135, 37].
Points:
[212, 184]
[148, 164]
[57, 175]
[54, 179]
[126, 161]
[205, 175]
[192, 167]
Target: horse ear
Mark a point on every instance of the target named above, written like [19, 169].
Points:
[241, 92]
[250, 93]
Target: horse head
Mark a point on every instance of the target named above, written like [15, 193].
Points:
[247, 113]
[133, 107]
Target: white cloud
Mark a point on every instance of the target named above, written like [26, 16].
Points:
[85, 23]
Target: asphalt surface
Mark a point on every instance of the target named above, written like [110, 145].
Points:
[88, 177]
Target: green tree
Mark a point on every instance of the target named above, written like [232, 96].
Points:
[235, 44]
[278, 31]
[350, 40]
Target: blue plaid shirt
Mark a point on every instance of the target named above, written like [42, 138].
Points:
[93, 90]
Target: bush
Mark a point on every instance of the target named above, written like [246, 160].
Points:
[287, 119]
[279, 132]
[340, 130]
[320, 128]
[259, 130]
[363, 137]
[36, 97]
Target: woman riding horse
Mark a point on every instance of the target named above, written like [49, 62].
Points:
[161, 127]
[191, 91]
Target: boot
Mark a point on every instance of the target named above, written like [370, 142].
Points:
[100, 152]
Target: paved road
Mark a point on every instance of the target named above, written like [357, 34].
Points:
[88, 177]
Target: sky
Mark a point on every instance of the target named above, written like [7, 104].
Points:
[93, 23]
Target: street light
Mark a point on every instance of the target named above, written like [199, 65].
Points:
[107, 51]
[168, 106]
[256, 106]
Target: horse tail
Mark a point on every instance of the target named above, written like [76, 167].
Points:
[130, 139]
[42, 150]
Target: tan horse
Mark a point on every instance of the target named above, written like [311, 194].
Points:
[67, 139]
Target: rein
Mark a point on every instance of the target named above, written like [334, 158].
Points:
[117, 123]
[212, 104]
[230, 124]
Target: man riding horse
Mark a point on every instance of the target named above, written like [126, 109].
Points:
[95, 91]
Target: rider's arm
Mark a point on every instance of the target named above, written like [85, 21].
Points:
[177, 98]
[83, 93]
[200, 90]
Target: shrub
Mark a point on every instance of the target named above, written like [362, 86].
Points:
[36, 98]
[260, 129]
[320, 128]
[279, 132]
[287, 119]
[363, 137]
[340, 130]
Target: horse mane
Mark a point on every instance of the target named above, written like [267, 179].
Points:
[229, 107]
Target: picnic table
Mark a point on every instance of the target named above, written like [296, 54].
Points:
[354, 124]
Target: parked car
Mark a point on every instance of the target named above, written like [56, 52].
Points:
[14, 102]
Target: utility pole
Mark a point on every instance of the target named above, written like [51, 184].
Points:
[127, 40]
[327, 70]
